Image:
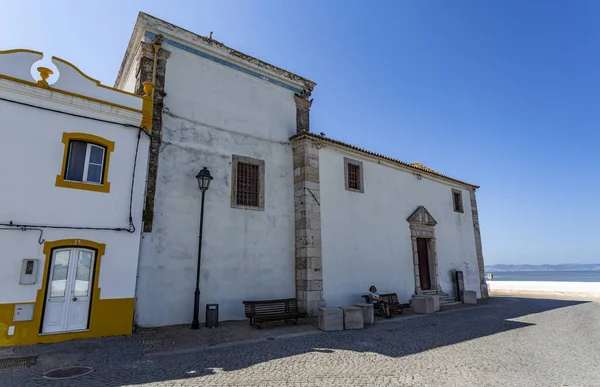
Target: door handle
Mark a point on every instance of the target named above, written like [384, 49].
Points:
[74, 298]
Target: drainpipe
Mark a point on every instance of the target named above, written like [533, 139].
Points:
[158, 40]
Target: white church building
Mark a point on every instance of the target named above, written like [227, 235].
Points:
[289, 213]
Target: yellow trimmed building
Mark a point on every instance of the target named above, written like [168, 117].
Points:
[73, 163]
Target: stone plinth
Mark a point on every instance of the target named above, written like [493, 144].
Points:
[469, 297]
[368, 313]
[424, 304]
[331, 319]
[353, 318]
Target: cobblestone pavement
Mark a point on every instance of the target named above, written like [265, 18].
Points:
[524, 342]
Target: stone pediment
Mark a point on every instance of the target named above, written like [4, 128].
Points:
[422, 216]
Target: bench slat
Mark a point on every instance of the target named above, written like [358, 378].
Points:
[271, 310]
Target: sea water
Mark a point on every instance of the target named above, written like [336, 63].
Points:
[551, 276]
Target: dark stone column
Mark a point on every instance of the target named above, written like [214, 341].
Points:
[303, 105]
[144, 68]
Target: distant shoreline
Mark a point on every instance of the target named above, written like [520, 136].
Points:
[543, 267]
[545, 275]
[488, 270]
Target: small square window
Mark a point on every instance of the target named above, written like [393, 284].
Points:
[247, 183]
[457, 201]
[85, 162]
[353, 171]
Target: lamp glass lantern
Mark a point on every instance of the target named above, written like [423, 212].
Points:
[204, 179]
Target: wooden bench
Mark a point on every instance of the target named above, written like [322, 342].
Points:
[272, 310]
[392, 300]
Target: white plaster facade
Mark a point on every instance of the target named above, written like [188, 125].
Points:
[32, 154]
[220, 104]
[211, 113]
[366, 236]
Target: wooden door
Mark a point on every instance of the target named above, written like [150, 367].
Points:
[423, 263]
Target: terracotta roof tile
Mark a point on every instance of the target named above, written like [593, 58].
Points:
[415, 166]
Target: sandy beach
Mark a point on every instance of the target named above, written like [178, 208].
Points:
[546, 289]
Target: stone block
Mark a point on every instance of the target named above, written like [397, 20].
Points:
[307, 252]
[368, 313]
[469, 297]
[314, 263]
[301, 263]
[423, 305]
[309, 274]
[331, 319]
[353, 318]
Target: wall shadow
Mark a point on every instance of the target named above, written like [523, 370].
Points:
[395, 339]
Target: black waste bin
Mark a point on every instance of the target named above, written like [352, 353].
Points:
[212, 315]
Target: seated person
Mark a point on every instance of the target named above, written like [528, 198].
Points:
[377, 301]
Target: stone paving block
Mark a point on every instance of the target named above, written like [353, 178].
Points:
[419, 351]
[368, 313]
[469, 297]
[331, 319]
[353, 318]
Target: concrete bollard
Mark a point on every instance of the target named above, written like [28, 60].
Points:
[469, 297]
[353, 318]
[368, 313]
[331, 319]
[423, 305]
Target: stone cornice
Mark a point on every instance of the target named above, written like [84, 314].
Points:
[146, 23]
[29, 94]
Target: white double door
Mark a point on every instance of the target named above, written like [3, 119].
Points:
[69, 289]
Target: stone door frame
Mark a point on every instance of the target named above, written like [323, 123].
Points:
[422, 225]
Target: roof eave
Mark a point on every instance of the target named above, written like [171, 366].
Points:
[381, 157]
[146, 21]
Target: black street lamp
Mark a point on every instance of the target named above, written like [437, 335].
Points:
[204, 179]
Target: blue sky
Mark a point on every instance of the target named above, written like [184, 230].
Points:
[502, 94]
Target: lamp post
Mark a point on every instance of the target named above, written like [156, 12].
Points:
[204, 179]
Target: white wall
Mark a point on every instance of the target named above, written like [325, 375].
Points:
[31, 156]
[130, 82]
[366, 238]
[246, 254]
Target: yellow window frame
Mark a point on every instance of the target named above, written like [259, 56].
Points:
[90, 138]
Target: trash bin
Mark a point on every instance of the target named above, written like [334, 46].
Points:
[212, 315]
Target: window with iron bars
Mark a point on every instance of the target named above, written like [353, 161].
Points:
[354, 176]
[247, 184]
